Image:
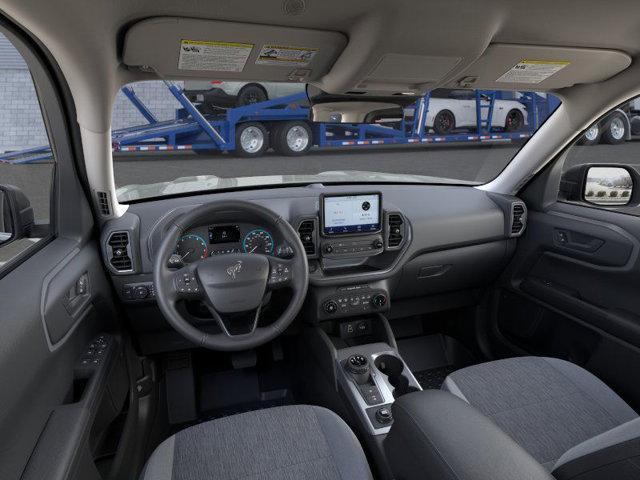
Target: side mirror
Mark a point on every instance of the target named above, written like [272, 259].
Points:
[16, 214]
[608, 186]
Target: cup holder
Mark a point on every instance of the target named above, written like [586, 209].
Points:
[393, 368]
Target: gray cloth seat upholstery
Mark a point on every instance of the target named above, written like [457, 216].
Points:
[292, 442]
[554, 409]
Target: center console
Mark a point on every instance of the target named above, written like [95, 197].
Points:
[372, 377]
[353, 246]
[366, 371]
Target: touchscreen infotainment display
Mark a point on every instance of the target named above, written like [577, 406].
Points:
[351, 213]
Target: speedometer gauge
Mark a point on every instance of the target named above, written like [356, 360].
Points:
[258, 241]
[191, 248]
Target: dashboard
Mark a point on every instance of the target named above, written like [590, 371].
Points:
[393, 249]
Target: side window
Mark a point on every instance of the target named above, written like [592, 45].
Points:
[601, 169]
[26, 160]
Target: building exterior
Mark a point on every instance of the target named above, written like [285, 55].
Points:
[21, 123]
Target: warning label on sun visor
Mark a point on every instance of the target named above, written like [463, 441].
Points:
[285, 55]
[532, 71]
[213, 56]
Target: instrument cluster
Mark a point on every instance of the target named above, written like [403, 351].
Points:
[202, 242]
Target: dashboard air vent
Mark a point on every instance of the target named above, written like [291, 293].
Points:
[118, 251]
[395, 224]
[103, 203]
[518, 222]
[306, 230]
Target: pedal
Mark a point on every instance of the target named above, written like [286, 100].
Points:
[276, 351]
[246, 359]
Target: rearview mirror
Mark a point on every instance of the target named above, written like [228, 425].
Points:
[330, 108]
[16, 214]
[608, 186]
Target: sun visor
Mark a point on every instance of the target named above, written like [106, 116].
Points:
[183, 48]
[397, 72]
[528, 67]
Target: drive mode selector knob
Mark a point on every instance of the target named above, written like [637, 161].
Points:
[379, 300]
[357, 364]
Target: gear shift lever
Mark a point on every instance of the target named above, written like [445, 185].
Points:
[358, 366]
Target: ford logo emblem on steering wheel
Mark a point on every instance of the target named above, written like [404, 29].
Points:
[234, 269]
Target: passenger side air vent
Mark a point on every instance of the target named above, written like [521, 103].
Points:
[103, 203]
[518, 219]
[119, 252]
[395, 230]
[306, 230]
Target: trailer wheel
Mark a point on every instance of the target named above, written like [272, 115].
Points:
[292, 138]
[250, 94]
[252, 139]
[444, 122]
[591, 136]
[615, 131]
[514, 121]
[635, 125]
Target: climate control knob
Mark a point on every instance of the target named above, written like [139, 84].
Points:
[379, 300]
[328, 248]
[331, 307]
[377, 244]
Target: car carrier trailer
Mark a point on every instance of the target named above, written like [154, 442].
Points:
[617, 126]
[283, 124]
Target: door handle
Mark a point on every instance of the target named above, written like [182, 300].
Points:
[78, 295]
[576, 241]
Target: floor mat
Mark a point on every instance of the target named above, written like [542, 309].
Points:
[433, 378]
[432, 357]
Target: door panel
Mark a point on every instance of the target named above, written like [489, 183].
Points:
[38, 373]
[571, 292]
[597, 265]
[572, 238]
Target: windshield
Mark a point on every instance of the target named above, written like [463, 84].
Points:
[176, 137]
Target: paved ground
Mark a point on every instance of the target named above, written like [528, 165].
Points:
[461, 162]
[466, 162]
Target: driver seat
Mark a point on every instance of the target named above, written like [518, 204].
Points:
[281, 443]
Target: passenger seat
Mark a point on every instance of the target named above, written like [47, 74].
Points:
[563, 416]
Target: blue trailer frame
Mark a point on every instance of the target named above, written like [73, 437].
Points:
[195, 131]
[192, 130]
[341, 135]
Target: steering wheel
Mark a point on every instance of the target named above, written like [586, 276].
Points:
[232, 286]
